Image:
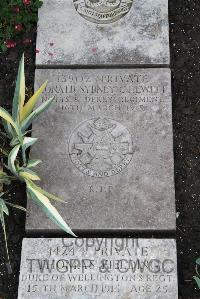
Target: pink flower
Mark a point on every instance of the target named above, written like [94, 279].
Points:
[27, 2]
[9, 43]
[18, 27]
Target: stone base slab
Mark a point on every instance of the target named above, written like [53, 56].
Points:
[98, 268]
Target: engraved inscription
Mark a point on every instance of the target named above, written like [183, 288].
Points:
[99, 268]
[108, 93]
[103, 11]
[100, 147]
[100, 189]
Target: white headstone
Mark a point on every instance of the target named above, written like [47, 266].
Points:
[107, 149]
[100, 32]
[98, 268]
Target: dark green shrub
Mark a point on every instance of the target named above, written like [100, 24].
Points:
[16, 18]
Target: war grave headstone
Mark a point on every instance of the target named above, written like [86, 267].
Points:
[107, 150]
[98, 268]
[106, 147]
[103, 32]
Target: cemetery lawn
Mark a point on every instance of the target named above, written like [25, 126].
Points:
[185, 53]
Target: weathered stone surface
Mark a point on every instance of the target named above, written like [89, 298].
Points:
[125, 32]
[106, 147]
[98, 268]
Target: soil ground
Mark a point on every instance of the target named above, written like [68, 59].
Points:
[185, 64]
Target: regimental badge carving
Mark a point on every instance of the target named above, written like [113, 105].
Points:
[100, 147]
[103, 11]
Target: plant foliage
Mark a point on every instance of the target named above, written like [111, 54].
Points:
[17, 164]
[16, 17]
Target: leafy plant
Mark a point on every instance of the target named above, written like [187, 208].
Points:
[197, 277]
[17, 164]
[16, 17]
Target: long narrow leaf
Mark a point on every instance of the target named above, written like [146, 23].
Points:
[8, 128]
[198, 261]
[4, 231]
[16, 206]
[27, 142]
[50, 211]
[28, 121]
[29, 174]
[47, 194]
[11, 159]
[197, 279]
[14, 141]
[33, 163]
[29, 106]
[19, 95]
[7, 117]
[3, 207]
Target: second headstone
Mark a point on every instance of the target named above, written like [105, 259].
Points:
[107, 150]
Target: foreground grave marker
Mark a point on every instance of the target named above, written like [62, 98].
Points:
[106, 147]
[88, 32]
[98, 268]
